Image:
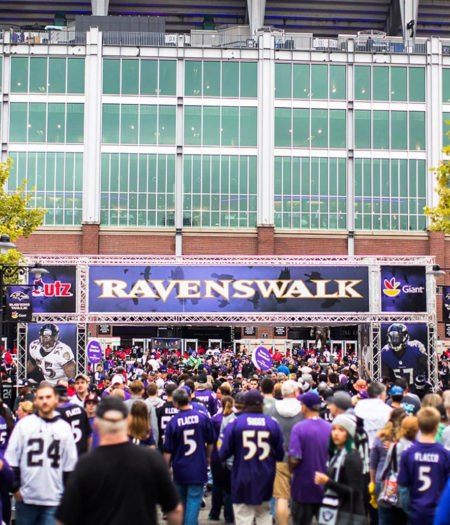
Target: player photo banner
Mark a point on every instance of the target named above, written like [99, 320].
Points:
[228, 289]
[55, 292]
[18, 304]
[51, 351]
[403, 289]
[446, 304]
[405, 352]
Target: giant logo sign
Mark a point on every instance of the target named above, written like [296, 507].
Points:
[403, 289]
[228, 289]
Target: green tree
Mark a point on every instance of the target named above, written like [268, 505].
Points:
[440, 215]
[16, 218]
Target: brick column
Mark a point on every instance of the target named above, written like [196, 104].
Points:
[90, 239]
[266, 240]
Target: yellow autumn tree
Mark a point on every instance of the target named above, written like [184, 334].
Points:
[17, 219]
[440, 215]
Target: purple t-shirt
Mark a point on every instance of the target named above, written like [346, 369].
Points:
[424, 468]
[309, 443]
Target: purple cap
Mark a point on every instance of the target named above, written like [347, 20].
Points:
[311, 401]
[254, 397]
[188, 390]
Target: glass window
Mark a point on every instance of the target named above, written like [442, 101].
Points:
[338, 82]
[283, 80]
[167, 124]
[283, 133]
[398, 84]
[300, 128]
[445, 84]
[230, 79]
[362, 129]
[192, 125]
[36, 122]
[380, 83]
[148, 124]
[211, 79]
[300, 74]
[167, 77]
[319, 128]
[75, 75]
[248, 126]
[399, 130]
[337, 128]
[111, 76]
[38, 75]
[249, 79]
[18, 122]
[230, 126]
[75, 123]
[380, 129]
[129, 124]
[319, 81]
[362, 83]
[110, 124]
[130, 77]
[19, 74]
[211, 126]
[56, 126]
[57, 75]
[416, 84]
[193, 78]
[149, 77]
[446, 129]
[417, 130]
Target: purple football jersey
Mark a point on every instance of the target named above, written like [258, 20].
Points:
[185, 438]
[424, 469]
[256, 442]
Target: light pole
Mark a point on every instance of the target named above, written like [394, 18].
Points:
[11, 273]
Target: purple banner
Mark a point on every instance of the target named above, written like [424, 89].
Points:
[261, 358]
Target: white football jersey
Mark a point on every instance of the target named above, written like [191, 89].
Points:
[51, 363]
[43, 450]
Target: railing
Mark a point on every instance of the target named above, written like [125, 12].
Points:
[228, 39]
[45, 37]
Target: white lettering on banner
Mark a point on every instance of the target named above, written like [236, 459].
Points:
[412, 289]
[243, 289]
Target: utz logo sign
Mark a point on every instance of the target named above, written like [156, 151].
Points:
[404, 289]
[56, 289]
[55, 292]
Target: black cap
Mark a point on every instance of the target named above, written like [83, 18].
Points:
[61, 390]
[202, 378]
[111, 403]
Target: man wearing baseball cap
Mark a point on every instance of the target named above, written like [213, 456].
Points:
[308, 453]
[81, 389]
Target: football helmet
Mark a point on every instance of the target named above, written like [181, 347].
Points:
[398, 337]
[48, 335]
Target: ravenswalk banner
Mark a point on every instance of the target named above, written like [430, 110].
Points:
[223, 289]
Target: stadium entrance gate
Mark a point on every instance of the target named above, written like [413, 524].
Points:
[369, 291]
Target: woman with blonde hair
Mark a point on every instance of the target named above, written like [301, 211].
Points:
[25, 408]
[435, 401]
[139, 431]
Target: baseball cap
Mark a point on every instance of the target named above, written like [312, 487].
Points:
[202, 378]
[310, 400]
[111, 404]
[82, 376]
[117, 379]
[188, 390]
[359, 385]
[61, 390]
[341, 399]
[92, 397]
[253, 397]
[21, 383]
[396, 391]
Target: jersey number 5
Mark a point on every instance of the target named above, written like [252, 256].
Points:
[191, 443]
[253, 445]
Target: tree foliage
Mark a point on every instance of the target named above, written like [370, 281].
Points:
[16, 218]
[440, 214]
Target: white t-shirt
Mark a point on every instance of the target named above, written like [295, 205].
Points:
[51, 363]
[43, 450]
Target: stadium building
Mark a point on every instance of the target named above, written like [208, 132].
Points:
[232, 128]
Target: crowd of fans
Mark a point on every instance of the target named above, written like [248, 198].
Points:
[312, 438]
